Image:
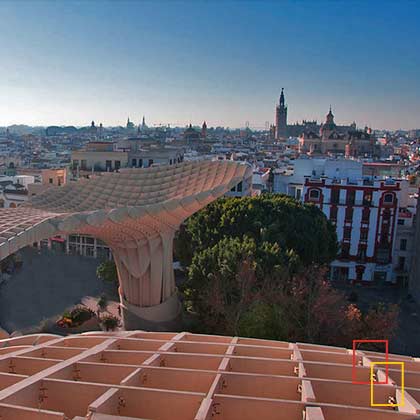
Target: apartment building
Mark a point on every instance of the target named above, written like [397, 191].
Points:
[373, 217]
[103, 156]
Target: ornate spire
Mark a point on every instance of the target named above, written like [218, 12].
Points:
[282, 97]
[330, 116]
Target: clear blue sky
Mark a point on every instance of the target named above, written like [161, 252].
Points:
[68, 62]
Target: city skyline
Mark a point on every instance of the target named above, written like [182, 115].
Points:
[183, 62]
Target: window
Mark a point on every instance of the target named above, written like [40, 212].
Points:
[140, 163]
[351, 197]
[364, 234]
[72, 249]
[333, 213]
[108, 165]
[90, 251]
[361, 253]
[365, 215]
[74, 238]
[75, 163]
[239, 188]
[360, 269]
[347, 233]
[403, 245]
[388, 198]
[345, 250]
[133, 162]
[314, 194]
[335, 196]
[117, 164]
[150, 162]
[83, 164]
[50, 180]
[384, 235]
[298, 194]
[349, 214]
[401, 222]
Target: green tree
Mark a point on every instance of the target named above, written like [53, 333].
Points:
[224, 280]
[107, 271]
[239, 250]
[263, 320]
[299, 229]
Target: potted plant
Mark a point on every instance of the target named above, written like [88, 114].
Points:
[110, 322]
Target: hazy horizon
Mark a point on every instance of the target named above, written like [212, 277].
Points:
[181, 62]
[195, 125]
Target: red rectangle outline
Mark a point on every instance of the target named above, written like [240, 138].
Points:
[353, 369]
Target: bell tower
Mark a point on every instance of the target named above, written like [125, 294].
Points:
[281, 118]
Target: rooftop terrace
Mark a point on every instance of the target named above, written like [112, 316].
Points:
[146, 375]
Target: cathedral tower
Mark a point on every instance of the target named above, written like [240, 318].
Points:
[281, 118]
[204, 130]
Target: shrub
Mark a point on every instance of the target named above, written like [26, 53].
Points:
[102, 302]
[80, 314]
[110, 322]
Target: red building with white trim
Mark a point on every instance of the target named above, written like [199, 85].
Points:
[373, 216]
[365, 214]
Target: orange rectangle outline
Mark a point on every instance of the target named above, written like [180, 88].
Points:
[372, 383]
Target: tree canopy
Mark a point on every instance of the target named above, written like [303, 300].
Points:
[301, 229]
[107, 271]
